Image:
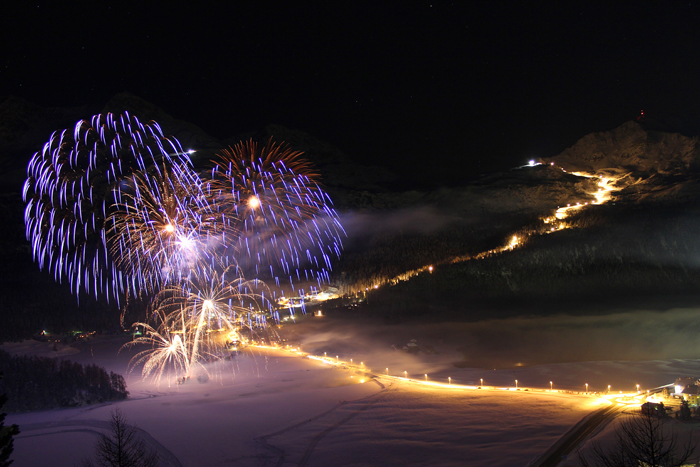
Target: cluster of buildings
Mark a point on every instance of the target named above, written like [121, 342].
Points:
[688, 389]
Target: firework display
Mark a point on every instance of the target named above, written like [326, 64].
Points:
[286, 221]
[199, 321]
[161, 228]
[116, 207]
[72, 185]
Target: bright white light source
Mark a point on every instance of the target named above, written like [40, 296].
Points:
[532, 163]
[186, 242]
[253, 202]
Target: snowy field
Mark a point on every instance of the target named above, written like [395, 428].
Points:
[275, 408]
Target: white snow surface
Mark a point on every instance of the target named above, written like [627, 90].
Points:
[275, 408]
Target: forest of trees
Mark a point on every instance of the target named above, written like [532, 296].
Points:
[383, 257]
[34, 383]
[613, 252]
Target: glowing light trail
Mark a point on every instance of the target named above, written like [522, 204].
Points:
[604, 193]
[632, 398]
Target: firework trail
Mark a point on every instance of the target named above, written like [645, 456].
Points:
[286, 220]
[71, 186]
[194, 321]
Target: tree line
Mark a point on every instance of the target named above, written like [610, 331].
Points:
[35, 383]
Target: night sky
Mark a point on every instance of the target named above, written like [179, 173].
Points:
[443, 91]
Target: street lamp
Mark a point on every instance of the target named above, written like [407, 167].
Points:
[586, 387]
[405, 374]
[637, 389]
[516, 384]
[387, 372]
[608, 388]
[551, 388]
[482, 381]
[449, 380]
[426, 377]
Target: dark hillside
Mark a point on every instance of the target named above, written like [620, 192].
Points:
[626, 256]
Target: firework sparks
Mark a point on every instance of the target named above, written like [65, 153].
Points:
[115, 207]
[162, 229]
[167, 356]
[71, 185]
[195, 321]
[286, 221]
